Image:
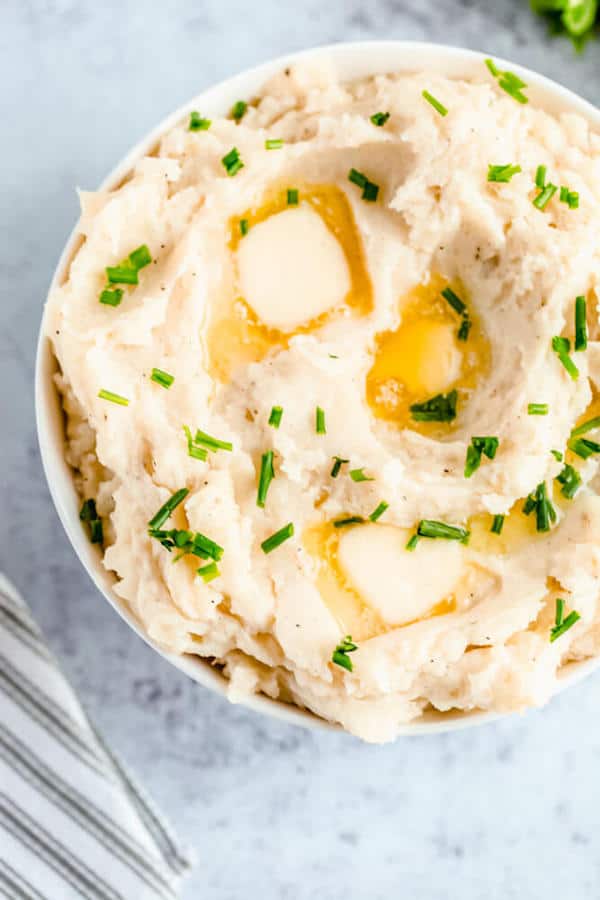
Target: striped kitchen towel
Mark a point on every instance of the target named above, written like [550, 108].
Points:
[73, 823]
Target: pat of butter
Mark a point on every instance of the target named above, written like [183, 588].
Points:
[401, 585]
[292, 269]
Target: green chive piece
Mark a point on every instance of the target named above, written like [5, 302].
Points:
[540, 177]
[337, 465]
[192, 542]
[571, 198]
[429, 528]
[275, 540]
[195, 451]
[320, 421]
[493, 67]
[292, 197]
[340, 654]
[96, 531]
[244, 227]
[486, 446]
[455, 302]
[581, 337]
[232, 162]
[380, 118]
[211, 443]
[529, 505]
[562, 347]
[89, 514]
[370, 190]
[544, 197]
[463, 331]
[502, 174]
[590, 425]
[273, 144]
[557, 455]
[163, 378]
[562, 624]
[114, 398]
[544, 511]
[111, 297]
[439, 107]
[508, 81]
[537, 409]
[412, 543]
[349, 520]
[583, 447]
[140, 257]
[570, 479]
[209, 572]
[379, 511]
[497, 525]
[238, 110]
[122, 274]
[441, 408]
[267, 474]
[276, 416]
[197, 123]
[358, 475]
[159, 518]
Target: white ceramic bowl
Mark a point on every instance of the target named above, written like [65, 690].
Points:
[352, 61]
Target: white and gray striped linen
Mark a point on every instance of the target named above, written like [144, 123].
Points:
[73, 823]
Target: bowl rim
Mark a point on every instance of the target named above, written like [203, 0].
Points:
[352, 60]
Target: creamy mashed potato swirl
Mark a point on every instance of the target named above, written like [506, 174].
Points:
[283, 282]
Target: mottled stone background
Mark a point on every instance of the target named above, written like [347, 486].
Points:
[507, 811]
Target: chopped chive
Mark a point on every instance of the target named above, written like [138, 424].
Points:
[439, 107]
[96, 531]
[583, 447]
[486, 446]
[273, 144]
[349, 520]
[379, 511]
[320, 421]
[122, 274]
[512, 84]
[358, 475]
[580, 324]
[455, 302]
[114, 398]
[275, 417]
[537, 409]
[502, 174]
[163, 378]
[111, 297]
[529, 505]
[463, 331]
[380, 118]
[89, 514]
[209, 572]
[412, 543]
[244, 227]
[194, 450]
[562, 347]
[561, 624]
[340, 654]
[292, 197]
[337, 465]
[441, 408]
[590, 425]
[557, 455]
[238, 110]
[544, 197]
[275, 540]
[429, 528]
[232, 162]
[492, 67]
[267, 474]
[571, 198]
[140, 257]
[192, 542]
[540, 177]
[197, 122]
[544, 511]
[497, 525]
[570, 480]
[211, 443]
[369, 189]
[159, 518]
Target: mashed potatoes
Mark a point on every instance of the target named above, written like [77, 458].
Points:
[338, 336]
